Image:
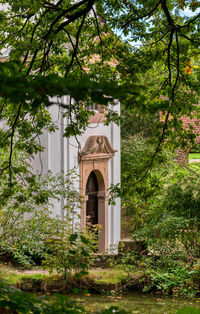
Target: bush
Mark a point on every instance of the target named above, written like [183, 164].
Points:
[176, 281]
[28, 231]
[163, 207]
[173, 217]
[71, 252]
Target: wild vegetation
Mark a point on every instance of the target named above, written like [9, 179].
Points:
[151, 67]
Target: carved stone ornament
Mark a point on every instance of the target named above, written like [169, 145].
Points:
[96, 147]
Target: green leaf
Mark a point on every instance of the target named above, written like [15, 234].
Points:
[85, 253]
[73, 252]
[84, 239]
[73, 237]
[84, 272]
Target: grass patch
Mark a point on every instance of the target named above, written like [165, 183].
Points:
[13, 276]
[108, 276]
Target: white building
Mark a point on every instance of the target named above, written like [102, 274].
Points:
[98, 165]
[97, 161]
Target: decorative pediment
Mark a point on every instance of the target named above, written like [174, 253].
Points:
[97, 146]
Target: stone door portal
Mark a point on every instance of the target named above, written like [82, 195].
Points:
[94, 159]
[92, 202]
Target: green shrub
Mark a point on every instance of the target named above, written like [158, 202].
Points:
[27, 227]
[175, 281]
[71, 252]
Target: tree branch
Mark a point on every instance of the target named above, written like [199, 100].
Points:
[148, 14]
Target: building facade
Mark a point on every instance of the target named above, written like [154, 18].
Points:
[95, 156]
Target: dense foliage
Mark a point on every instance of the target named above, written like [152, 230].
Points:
[57, 48]
[56, 242]
[174, 213]
[53, 49]
[163, 208]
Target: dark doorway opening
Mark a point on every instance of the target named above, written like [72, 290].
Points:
[92, 203]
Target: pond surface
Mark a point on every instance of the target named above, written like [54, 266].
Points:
[137, 303]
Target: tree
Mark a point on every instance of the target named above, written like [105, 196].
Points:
[166, 64]
[50, 47]
[43, 42]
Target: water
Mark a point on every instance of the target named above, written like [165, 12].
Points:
[137, 303]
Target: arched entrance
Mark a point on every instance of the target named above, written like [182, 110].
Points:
[92, 202]
[94, 159]
[96, 206]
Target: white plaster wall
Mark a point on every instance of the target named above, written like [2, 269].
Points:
[61, 154]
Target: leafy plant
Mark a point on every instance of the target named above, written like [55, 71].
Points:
[28, 212]
[69, 253]
[171, 281]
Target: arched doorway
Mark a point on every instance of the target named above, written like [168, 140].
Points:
[92, 202]
[96, 208]
[94, 159]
